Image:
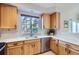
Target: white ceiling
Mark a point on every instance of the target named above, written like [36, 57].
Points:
[40, 8]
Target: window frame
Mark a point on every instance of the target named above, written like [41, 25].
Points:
[76, 28]
[31, 32]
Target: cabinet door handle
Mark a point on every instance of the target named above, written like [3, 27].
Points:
[15, 26]
[33, 45]
[15, 44]
[66, 49]
[56, 44]
[21, 47]
[69, 52]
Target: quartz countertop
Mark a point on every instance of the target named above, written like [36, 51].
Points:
[22, 38]
[62, 38]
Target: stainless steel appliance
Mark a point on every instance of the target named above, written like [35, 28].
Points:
[2, 46]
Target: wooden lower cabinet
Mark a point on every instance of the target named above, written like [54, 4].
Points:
[73, 52]
[63, 50]
[28, 47]
[15, 50]
[54, 45]
[32, 47]
[73, 49]
[35, 47]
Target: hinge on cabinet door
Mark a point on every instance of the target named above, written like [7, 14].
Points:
[66, 49]
[15, 26]
[17, 11]
[56, 44]
[33, 45]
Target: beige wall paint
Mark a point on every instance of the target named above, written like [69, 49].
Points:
[67, 13]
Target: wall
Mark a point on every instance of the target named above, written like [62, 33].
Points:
[5, 34]
[67, 12]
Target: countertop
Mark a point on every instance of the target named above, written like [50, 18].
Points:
[73, 41]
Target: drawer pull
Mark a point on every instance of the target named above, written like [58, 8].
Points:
[33, 45]
[15, 44]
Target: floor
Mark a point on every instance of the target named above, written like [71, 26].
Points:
[48, 53]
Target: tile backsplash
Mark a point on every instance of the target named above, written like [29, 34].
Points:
[5, 34]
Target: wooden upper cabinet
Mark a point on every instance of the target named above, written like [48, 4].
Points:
[8, 16]
[55, 20]
[46, 21]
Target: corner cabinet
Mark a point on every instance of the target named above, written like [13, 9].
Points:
[54, 45]
[73, 49]
[8, 16]
[63, 49]
[55, 20]
[46, 21]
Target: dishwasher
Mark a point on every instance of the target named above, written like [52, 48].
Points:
[45, 44]
[2, 48]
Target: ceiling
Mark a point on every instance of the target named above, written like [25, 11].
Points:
[40, 8]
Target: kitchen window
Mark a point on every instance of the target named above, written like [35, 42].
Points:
[30, 24]
[74, 26]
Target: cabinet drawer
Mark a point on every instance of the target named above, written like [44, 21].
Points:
[73, 46]
[62, 43]
[29, 41]
[73, 52]
[14, 44]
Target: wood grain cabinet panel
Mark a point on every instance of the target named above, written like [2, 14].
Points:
[54, 45]
[73, 49]
[15, 50]
[55, 20]
[32, 47]
[36, 48]
[73, 52]
[46, 21]
[63, 49]
[27, 49]
[8, 16]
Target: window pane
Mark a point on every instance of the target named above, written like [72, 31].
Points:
[28, 26]
[73, 27]
[77, 27]
[28, 22]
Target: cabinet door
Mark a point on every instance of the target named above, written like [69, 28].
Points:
[62, 50]
[16, 50]
[46, 21]
[37, 47]
[73, 52]
[55, 17]
[32, 47]
[8, 16]
[54, 45]
[27, 49]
